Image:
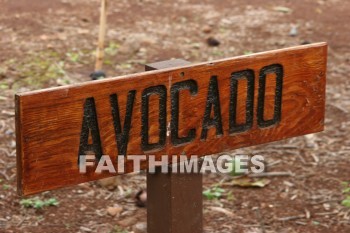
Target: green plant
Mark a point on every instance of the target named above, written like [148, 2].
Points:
[235, 167]
[346, 202]
[67, 226]
[4, 85]
[73, 56]
[6, 187]
[118, 229]
[38, 69]
[346, 187]
[316, 223]
[112, 49]
[36, 203]
[346, 191]
[248, 52]
[128, 193]
[125, 66]
[218, 53]
[230, 196]
[213, 193]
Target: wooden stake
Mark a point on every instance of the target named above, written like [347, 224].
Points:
[101, 36]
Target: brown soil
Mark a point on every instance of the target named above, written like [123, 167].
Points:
[50, 43]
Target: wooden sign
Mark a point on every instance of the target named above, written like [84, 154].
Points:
[193, 110]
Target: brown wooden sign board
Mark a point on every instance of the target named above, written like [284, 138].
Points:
[194, 110]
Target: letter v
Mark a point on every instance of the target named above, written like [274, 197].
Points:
[122, 135]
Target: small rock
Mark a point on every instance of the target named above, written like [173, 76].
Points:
[207, 29]
[305, 42]
[82, 31]
[82, 208]
[115, 210]
[13, 144]
[127, 221]
[110, 183]
[310, 141]
[211, 41]
[282, 9]
[196, 45]
[8, 113]
[141, 198]
[134, 42]
[9, 132]
[85, 20]
[327, 206]
[85, 229]
[62, 36]
[289, 184]
[101, 212]
[293, 31]
[44, 37]
[140, 227]
[98, 74]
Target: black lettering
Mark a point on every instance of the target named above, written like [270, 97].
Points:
[155, 90]
[213, 101]
[90, 124]
[249, 76]
[190, 85]
[122, 134]
[278, 70]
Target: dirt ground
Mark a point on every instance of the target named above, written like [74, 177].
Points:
[50, 43]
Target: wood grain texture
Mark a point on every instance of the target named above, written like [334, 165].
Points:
[49, 122]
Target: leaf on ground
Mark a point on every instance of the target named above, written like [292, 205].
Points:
[222, 210]
[115, 210]
[37, 203]
[213, 193]
[246, 182]
[346, 202]
[282, 9]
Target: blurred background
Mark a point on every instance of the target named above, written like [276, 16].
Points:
[52, 43]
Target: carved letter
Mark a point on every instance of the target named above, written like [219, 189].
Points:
[90, 124]
[190, 85]
[122, 135]
[278, 70]
[155, 90]
[213, 101]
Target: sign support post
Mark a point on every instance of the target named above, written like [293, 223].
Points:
[174, 201]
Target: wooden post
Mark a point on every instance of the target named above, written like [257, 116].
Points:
[174, 201]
